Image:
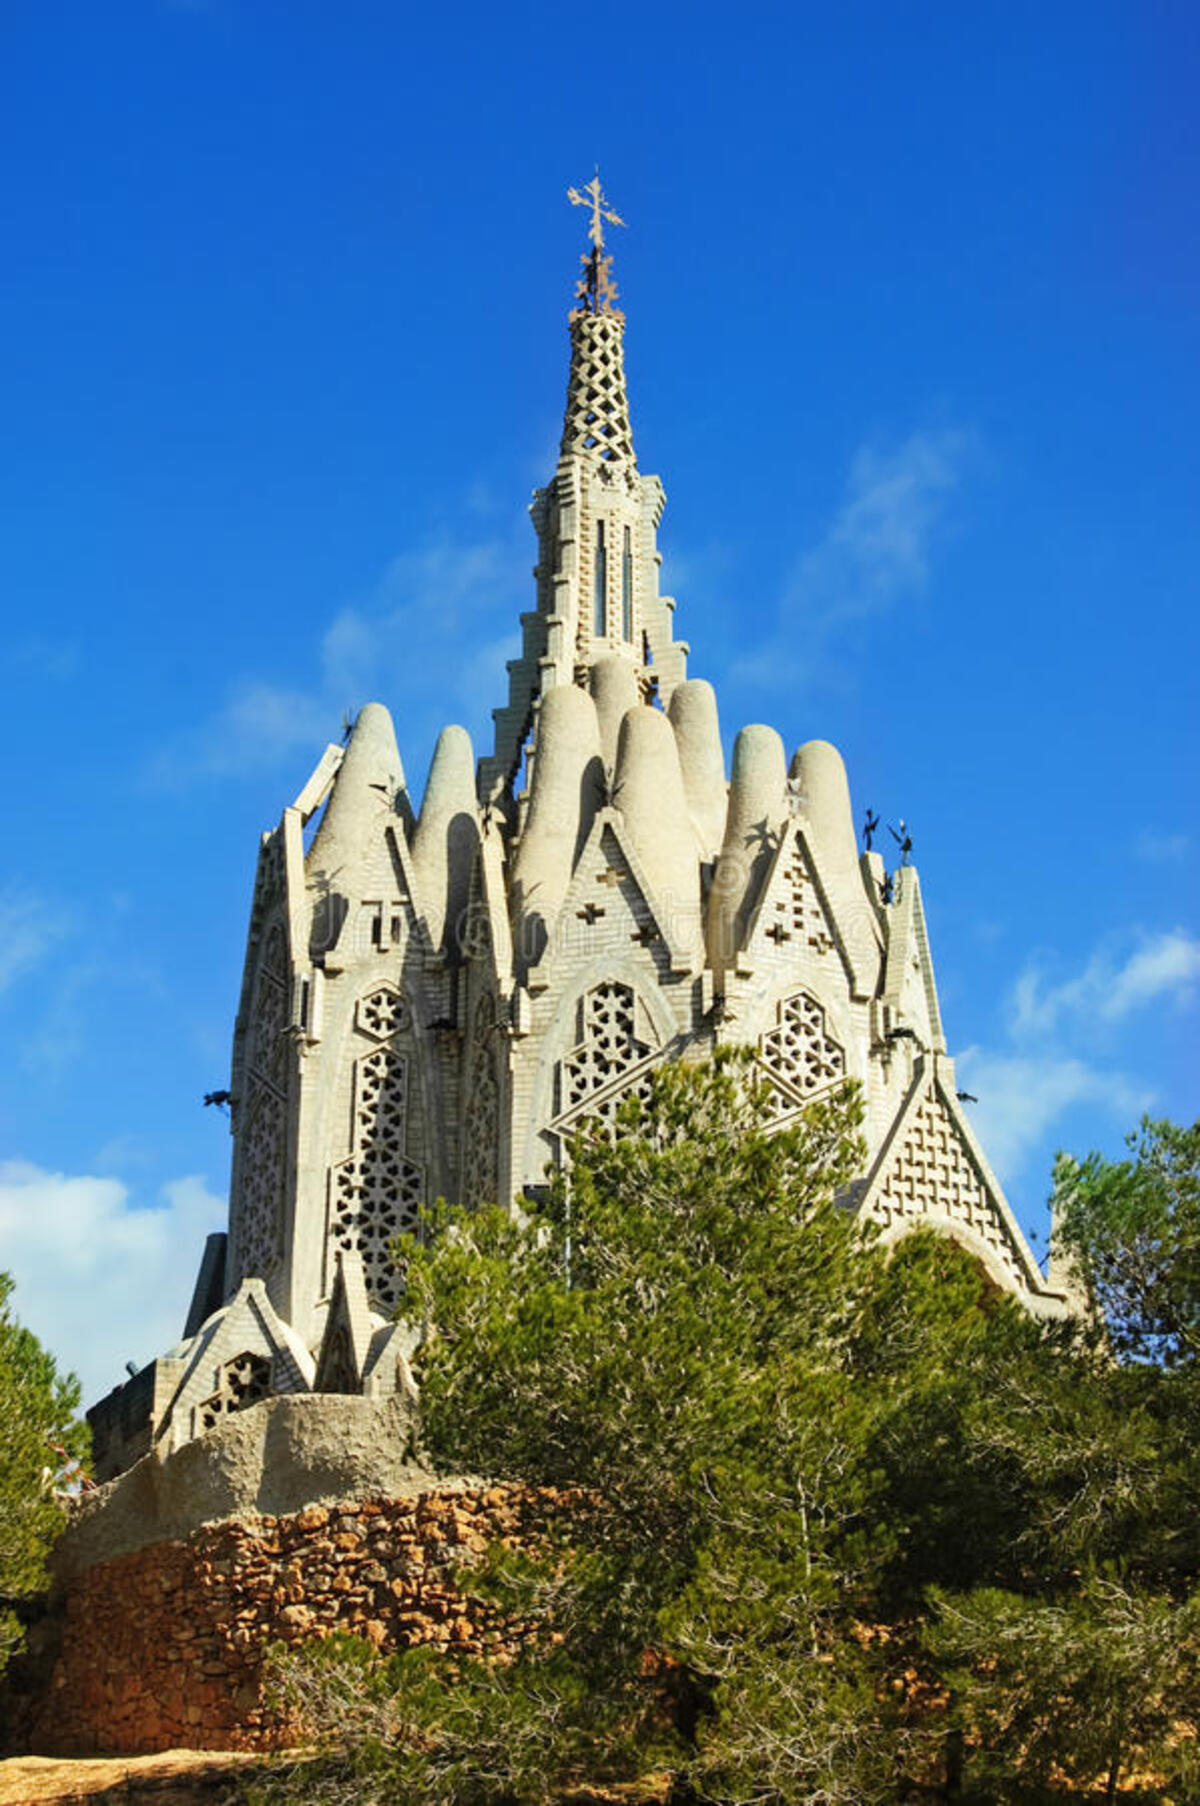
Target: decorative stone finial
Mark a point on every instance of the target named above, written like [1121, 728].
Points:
[596, 289]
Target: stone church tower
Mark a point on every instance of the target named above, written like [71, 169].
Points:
[437, 994]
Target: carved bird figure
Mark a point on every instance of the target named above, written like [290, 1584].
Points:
[903, 839]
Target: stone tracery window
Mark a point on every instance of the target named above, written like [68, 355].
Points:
[382, 1013]
[242, 1381]
[799, 1053]
[612, 1059]
[608, 1043]
[262, 1115]
[377, 1192]
[481, 1131]
[261, 1158]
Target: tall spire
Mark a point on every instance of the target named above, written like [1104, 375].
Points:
[596, 420]
[596, 520]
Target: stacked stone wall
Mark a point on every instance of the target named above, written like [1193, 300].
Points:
[165, 1647]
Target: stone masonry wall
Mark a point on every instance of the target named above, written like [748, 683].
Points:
[164, 1647]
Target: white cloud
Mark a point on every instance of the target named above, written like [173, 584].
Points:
[1021, 1097]
[1164, 965]
[100, 1280]
[876, 550]
[1161, 849]
[256, 729]
[1055, 1030]
[30, 925]
[430, 604]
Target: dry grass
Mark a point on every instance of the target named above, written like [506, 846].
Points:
[173, 1778]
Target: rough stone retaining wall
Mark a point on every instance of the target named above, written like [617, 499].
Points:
[163, 1647]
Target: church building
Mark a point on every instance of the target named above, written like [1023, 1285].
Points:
[439, 990]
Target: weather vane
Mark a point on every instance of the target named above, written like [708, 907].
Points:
[597, 290]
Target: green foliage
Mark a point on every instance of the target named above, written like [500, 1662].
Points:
[1089, 1668]
[1084, 1688]
[417, 1726]
[1133, 1227]
[841, 1520]
[38, 1408]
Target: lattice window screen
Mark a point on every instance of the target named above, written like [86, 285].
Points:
[262, 1117]
[608, 1044]
[613, 1059]
[382, 1014]
[799, 1053]
[481, 1134]
[377, 1192]
[242, 1381]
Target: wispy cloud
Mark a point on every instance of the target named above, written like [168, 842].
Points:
[30, 925]
[876, 550]
[1161, 848]
[1022, 1096]
[256, 728]
[430, 604]
[1110, 988]
[1059, 1039]
[60, 1034]
[99, 1279]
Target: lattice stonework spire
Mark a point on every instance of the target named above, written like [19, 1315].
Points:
[597, 416]
[597, 413]
[597, 521]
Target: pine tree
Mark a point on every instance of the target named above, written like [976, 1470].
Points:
[38, 1426]
[844, 1523]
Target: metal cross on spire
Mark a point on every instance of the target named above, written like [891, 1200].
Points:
[597, 290]
[594, 197]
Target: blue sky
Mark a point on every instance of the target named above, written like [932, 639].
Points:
[914, 323]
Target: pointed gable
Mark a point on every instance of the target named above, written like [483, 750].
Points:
[609, 910]
[794, 912]
[349, 1329]
[931, 1170]
[243, 1353]
[909, 991]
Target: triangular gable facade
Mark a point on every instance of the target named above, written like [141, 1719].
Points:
[909, 991]
[610, 885]
[243, 1353]
[349, 1328]
[794, 907]
[931, 1170]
